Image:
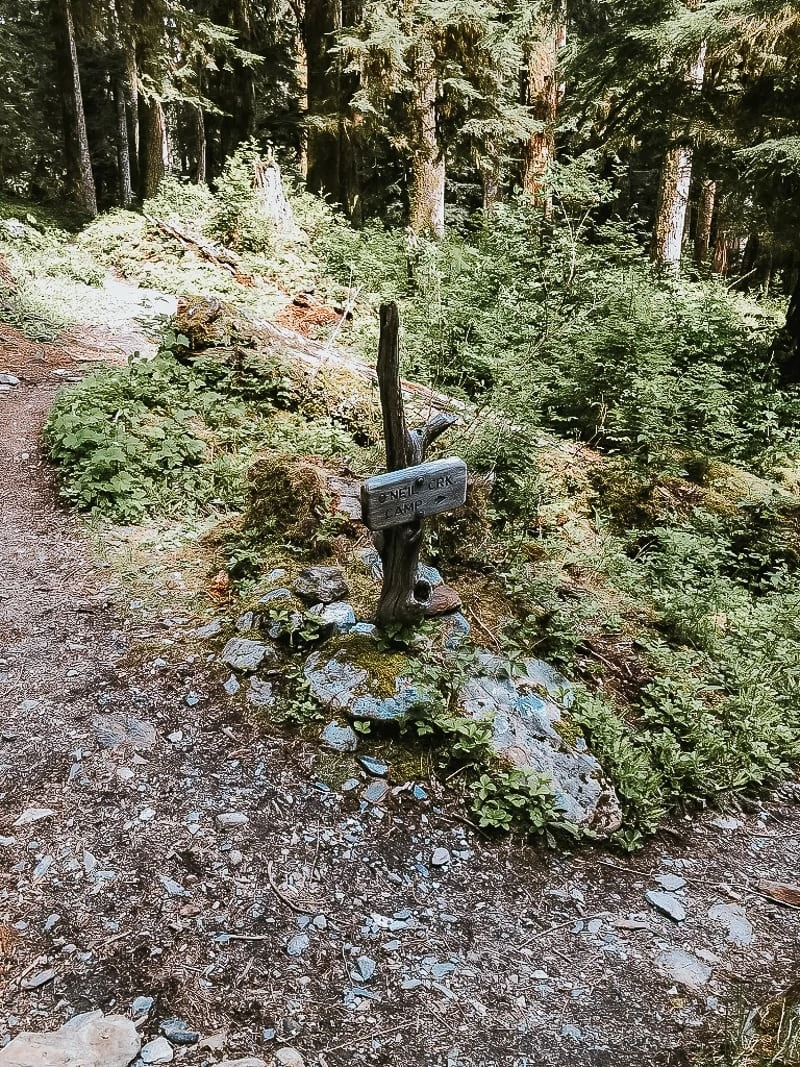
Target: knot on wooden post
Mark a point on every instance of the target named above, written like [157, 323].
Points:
[395, 504]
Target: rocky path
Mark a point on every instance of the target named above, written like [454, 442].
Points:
[161, 853]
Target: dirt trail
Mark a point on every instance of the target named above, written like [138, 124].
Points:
[133, 886]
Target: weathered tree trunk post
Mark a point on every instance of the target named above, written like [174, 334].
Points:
[403, 598]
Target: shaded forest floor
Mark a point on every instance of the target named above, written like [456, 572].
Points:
[131, 886]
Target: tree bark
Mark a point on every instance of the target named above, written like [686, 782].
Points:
[719, 259]
[322, 19]
[676, 179]
[427, 163]
[80, 180]
[152, 147]
[123, 145]
[542, 97]
[705, 215]
[786, 348]
[403, 598]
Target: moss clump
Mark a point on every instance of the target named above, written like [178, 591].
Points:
[383, 668]
[464, 535]
[288, 495]
[210, 323]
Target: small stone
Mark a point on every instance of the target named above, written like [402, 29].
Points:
[260, 693]
[574, 1033]
[297, 945]
[670, 882]
[51, 921]
[177, 1032]
[32, 815]
[419, 793]
[339, 738]
[683, 968]
[235, 857]
[229, 819]
[667, 903]
[141, 1006]
[173, 888]
[191, 700]
[442, 601]
[246, 622]
[157, 1051]
[275, 594]
[726, 822]
[364, 629]
[147, 815]
[288, 1057]
[364, 969]
[321, 585]
[8, 379]
[211, 629]
[38, 980]
[242, 654]
[339, 615]
[247, 1061]
[373, 765]
[375, 792]
[440, 857]
[740, 929]
[232, 686]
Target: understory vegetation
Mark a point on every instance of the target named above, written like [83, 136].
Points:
[635, 514]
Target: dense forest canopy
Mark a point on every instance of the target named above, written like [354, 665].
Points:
[425, 110]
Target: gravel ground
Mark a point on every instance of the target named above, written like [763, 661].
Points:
[153, 849]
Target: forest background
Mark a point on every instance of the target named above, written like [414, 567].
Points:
[589, 215]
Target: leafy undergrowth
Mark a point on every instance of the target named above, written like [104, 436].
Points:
[765, 1036]
[638, 520]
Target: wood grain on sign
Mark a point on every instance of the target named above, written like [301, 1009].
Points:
[413, 493]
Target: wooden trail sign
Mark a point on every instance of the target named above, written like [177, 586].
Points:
[413, 493]
[398, 533]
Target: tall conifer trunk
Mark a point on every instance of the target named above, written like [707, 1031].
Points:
[786, 349]
[676, 180]
[542, 97]
[123, 145]
[322, 18]
[80, 180]
[427, 162]
[152, 147]
[705, 215]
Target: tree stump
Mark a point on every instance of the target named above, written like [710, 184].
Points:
[403, 599]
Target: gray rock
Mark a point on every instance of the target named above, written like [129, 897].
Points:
[297, 945]
[364, 969]
[38, 980]
[333, 682]
[210, 629]
[671, 882]
[89, 1040]
[321, 585]
[8, 379]
[32, 815]
[339, 738]
[246, 622]
[158, 1050]
[739, 928]
[173, 888]
[242, 654]
[275, 595]
[177, 1032]
[232, 686]
[667, 903]
[141, 1006]
[375, 792]
[230, 819]
[454, 629]
[118, 728]
[440, 857]
[683, 968]
[375, 766]
[339, 616]
[288, 1057]
[246, 1061]
[364, 629]
[260, 693]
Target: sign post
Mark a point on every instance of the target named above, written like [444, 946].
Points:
[393, 505]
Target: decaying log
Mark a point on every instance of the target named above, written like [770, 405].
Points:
[403, 599]
[214, 253]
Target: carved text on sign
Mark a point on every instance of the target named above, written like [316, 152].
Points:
[413, 493]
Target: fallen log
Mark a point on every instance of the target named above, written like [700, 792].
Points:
[214, 253]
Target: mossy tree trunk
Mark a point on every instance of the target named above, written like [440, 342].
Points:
[427, 163]
[542, 97]
[705, 215]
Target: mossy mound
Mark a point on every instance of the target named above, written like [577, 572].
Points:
[212, 323]
[301, 499]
